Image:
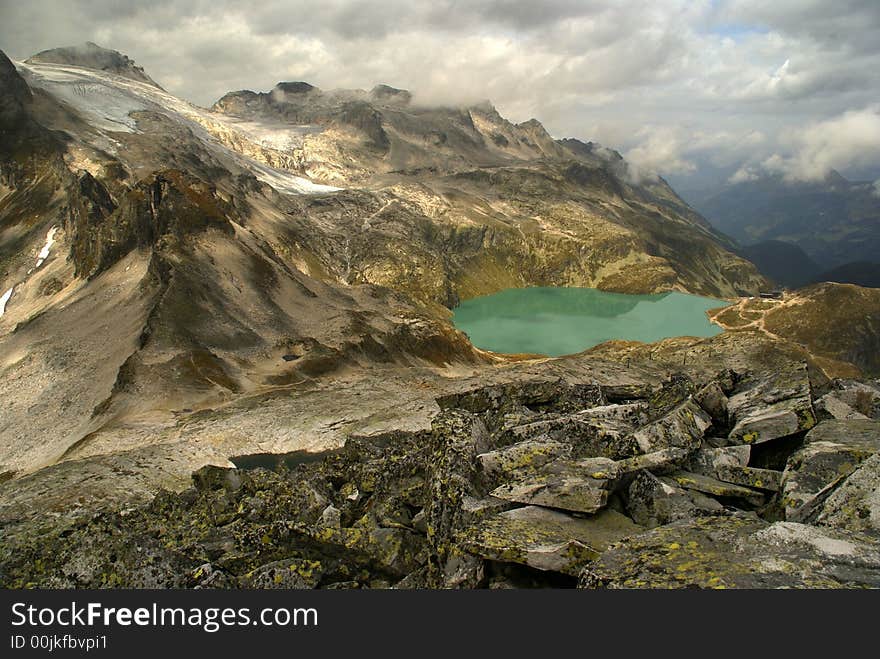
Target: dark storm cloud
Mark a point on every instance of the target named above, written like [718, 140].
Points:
[682, 86]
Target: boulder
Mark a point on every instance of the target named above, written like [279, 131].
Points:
[831, 452]
[604, 436]
[707, 461]
[773, 407]
[331, 517]
[546, 539]
[738, 551]
[512, 461]
[212, 477]
[683, 427]
[761, 479]
[651, 502]
[855, 504]
[578, 486]
[862, 397]
[290, 574]
[713, 399]
[830, 406]
[713, 486]
[658, 462]
[210, 576]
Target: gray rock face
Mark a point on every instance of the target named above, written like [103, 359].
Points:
[14, 94]
[657, 462]
[831, 406]
[713, 399]
[708, 461]
[861, 397]
[683, 428]
[547, 540]
[762, 479]
[774, 407]
[523, 457]
[653, 502]
[855, 504]
[738, 552]
[581, 486]
[715, 487]
[831, 452]
[287, 575]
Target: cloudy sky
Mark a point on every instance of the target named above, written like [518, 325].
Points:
[699, 90]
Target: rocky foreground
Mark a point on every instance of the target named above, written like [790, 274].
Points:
[761, 478]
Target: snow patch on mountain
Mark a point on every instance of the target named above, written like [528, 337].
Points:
[4, 299]
[287, 182]
[44, 253]
[104, 106]
[107, 101]
[280, 137]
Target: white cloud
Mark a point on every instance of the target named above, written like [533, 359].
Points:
[743, 175]
[661, 150]
[850, 139]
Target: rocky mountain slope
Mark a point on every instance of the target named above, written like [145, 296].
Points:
[463, 202]
[762, 474]
[784, 263]
[146, 271]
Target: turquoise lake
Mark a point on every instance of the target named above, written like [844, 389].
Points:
[561, 321]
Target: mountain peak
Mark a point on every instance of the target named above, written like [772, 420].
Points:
[295, 87]
[389, 94]
[14, 93]
[90, 55]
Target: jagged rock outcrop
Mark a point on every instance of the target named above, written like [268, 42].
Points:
[461, 506]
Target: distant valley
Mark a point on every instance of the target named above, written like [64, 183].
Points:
[799, 233]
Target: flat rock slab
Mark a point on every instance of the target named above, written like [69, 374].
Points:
[606, 436]
[831, 452]
[581, 486]
[774, 408]
[831, 406]
[707, 461]
[529, 393]
[713, 399]
[546, 539]
[521, 458]
[761, 479]
[739, 551]
[658, 462]
[715, 487]
[863, 397]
